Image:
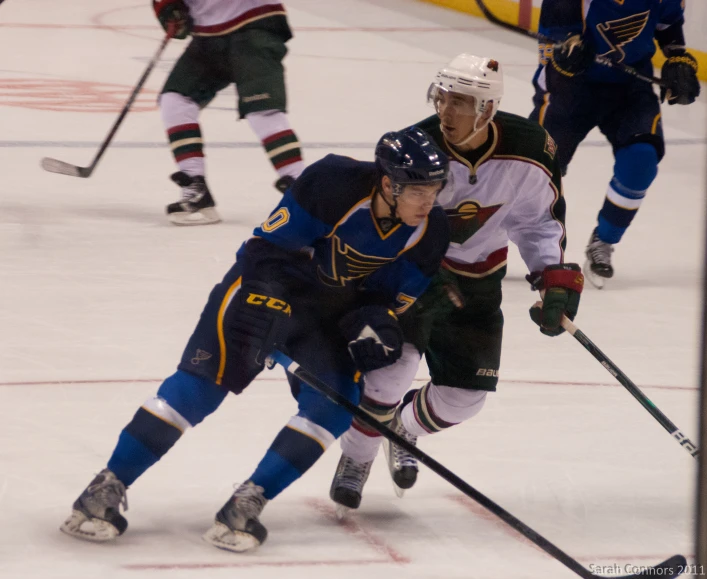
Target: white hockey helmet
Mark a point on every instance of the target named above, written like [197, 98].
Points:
[475, 76]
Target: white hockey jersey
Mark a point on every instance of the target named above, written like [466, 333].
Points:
[509, 189]
[219, 17]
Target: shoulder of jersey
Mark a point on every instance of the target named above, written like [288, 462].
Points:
[333, 184]
[521, 137]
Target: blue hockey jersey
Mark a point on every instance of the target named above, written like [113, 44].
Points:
[622, 30]
[323, 233]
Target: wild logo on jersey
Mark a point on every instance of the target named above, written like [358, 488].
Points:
[348, 264]
[467, 218]
[618, 33]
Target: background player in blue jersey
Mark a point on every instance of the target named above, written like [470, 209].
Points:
[574, 94]
[350, 244]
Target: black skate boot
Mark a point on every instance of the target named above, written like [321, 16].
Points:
[284, 183]
[347, 486]
[401, 464]
[196, 207]
[96, 513]
[237, 527]
[598, 267]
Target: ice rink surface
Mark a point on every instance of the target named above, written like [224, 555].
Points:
[98, 294]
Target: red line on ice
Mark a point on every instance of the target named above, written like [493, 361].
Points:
[356, 529]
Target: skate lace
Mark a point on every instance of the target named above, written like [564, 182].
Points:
[250, 500]
[400, 455]
[600, 252]
[110, 492]
[193, 193]
[352, 475]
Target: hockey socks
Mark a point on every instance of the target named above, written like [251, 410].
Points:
[635, 169]
[279, 141]
[295, 449]
[182, 401]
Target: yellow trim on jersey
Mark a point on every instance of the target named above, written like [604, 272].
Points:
[654, 126]
[419, 237]
[350, 212]
[219, 329]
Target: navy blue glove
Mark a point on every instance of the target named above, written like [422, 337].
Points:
[374, 336]
[562, 284]
[260, 318]
[573, 56]
[174, 17]
[679, 75]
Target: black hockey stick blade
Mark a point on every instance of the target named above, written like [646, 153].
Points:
[669, 569]
[56, 166]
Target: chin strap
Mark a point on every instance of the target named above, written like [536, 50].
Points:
[393, 207]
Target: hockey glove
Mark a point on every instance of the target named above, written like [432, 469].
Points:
[374, 336]
[679, 75]
[260, 318]
[174, 17]
[573, 56]
[562, 285]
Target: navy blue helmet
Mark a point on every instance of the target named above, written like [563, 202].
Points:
[410, 157]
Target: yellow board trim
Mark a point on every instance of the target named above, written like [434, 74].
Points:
[507, 10]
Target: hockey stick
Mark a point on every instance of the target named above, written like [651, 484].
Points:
[603, 60]
[669, 569]
[56, 166]
[626, 382]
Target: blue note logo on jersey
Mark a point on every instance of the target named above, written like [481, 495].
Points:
[348, 264]
[618, 33]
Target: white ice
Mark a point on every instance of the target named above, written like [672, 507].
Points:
[98, 294]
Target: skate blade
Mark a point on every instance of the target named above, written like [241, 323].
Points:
[80, 526]
[342, 513]
[205, 216]
[237, 541]
[596, 280]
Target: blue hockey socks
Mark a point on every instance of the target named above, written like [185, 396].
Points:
[182, 401]
[635, 168]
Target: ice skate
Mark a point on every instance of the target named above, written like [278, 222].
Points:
[196, 207]
[401, 464]
[237, 527]
[598, 267]
[347, 486]
[96, 513]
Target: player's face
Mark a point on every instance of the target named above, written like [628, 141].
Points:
[416, 201]
[458, 115]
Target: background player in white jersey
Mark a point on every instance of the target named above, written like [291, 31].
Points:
[505, 184]
[234, 41]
